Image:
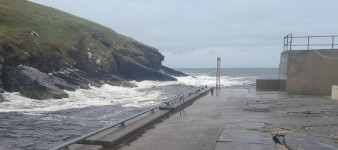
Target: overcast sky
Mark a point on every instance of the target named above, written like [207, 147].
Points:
[193, 33]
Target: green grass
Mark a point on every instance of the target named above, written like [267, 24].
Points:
[59, 35]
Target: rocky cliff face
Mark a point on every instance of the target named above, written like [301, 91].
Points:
[44, 51]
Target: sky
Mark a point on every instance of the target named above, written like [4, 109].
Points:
[193, 33]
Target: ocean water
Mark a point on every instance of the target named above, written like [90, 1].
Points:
[34, 124]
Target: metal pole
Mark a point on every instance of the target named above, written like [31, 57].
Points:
[218, 75]
[308, 43]
[290, 41]
[284, 45]
[332, 41]
[287, 42]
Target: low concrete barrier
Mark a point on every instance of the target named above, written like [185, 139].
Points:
[85, 147]
[270, 85]
[334, 93]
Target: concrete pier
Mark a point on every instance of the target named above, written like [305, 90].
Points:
[246, 119]
[112, 138]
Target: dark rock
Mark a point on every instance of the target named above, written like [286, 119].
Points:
[34, 84]
[84, 79]
[76, 78]
[88, 61]
[172, 72]
[2, 99]
[104, 77]
[1, 85]
[138, 72]
[153, 57]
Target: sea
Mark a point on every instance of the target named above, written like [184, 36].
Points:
[28, 124]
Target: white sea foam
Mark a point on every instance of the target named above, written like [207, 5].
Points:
[110, 95]
[201, 80]
[105, 95]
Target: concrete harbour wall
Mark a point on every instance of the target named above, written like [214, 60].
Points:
[309, 71]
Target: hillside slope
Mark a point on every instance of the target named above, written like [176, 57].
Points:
[69, 48]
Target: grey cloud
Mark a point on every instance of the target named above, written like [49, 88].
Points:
[190, 28]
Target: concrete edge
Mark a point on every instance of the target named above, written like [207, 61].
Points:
[124, 134]
[140, 128]
[85, 147]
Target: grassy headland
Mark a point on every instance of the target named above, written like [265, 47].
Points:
[65, 40]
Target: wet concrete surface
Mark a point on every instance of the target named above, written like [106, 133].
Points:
[246, 119]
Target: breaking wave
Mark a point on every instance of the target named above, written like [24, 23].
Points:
[80, 98]
[144, 95]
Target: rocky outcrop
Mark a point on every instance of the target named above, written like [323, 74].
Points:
[84, 79]
[135, 71]
[171, 72]
[68, 52]
[32, 83]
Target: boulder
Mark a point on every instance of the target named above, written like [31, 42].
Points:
[32, 83]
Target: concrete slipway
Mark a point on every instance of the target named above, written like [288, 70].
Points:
[111, 137]
[246, 119]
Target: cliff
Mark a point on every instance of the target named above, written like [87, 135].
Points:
[46, 50]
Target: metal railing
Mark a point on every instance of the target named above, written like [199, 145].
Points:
[79, 140]
[179, 97]
[120, 124]
[290, 42]
[182, 96]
